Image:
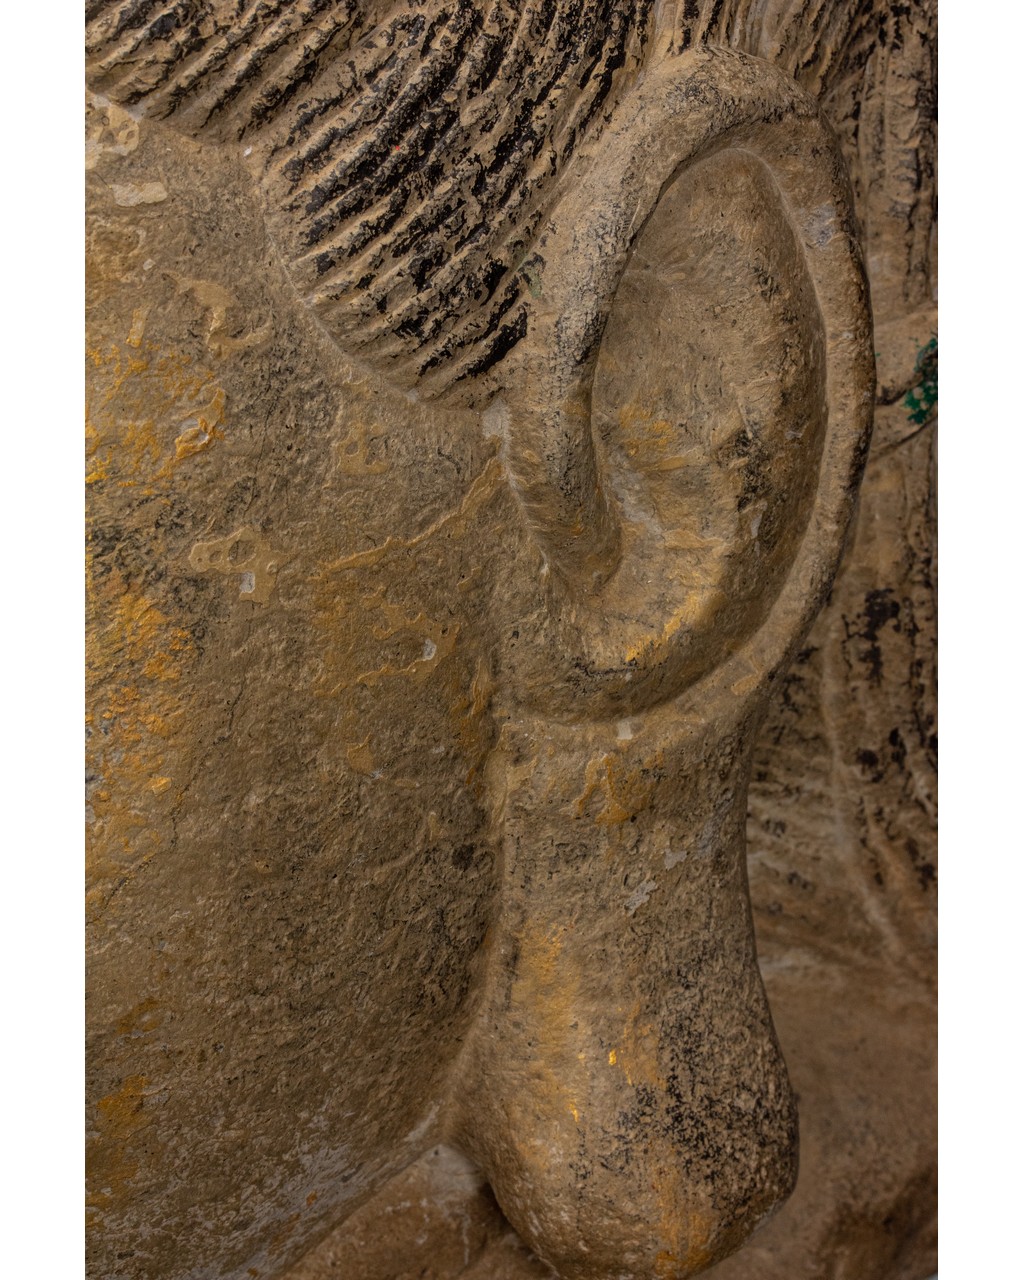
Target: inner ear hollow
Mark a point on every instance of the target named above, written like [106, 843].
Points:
[709, 415]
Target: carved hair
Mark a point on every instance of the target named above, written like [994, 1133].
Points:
[406, 151]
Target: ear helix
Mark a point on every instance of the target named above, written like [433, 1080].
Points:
[643, 609]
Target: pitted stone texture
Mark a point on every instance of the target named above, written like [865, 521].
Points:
[372, 868]
[853, 726]
[438, 1220]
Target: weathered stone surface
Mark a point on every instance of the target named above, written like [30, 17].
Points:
[478, 395]
[438, 1219]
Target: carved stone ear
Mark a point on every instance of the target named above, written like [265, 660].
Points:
[694, 393]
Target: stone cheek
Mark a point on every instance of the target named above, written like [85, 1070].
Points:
[291, 865]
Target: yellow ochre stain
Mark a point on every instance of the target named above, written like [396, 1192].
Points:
[690, 1234]
[197, 437]
[478, 493]
[145, 1016]
[360, 757]
[353, 616]
[647, 440]
[689, 612]
[546, 991]
[118, 1118]
[367, 640]
[391, 620]
[623, 787]
[147, 410]
[472, 729]
[637, 1053]
[134, 663]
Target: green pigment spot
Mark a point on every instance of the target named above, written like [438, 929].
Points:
[530, 269]
[920, 401]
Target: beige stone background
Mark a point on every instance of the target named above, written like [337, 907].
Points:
[842, 816]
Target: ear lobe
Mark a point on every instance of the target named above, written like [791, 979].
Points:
[696, 384]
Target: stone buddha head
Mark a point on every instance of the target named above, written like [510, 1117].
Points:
[478, 397]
